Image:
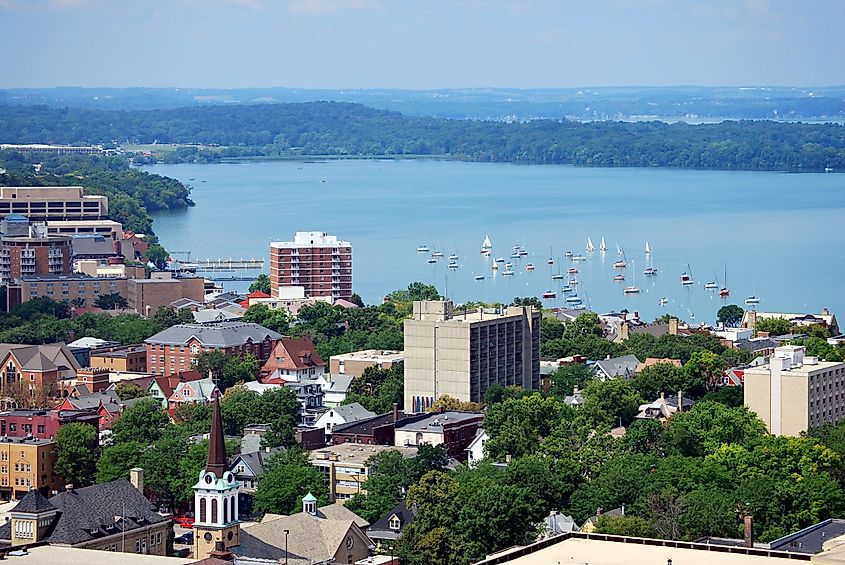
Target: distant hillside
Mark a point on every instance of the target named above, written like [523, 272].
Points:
[342, 129]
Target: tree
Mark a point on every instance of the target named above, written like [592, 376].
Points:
[730, 315]
[613, 401]
[567, 377]
[277, 319]
[662, 377]
[111, 301]
[262, 283]
[162, 464]
[628, 526]
[142, 422]
[445, 402]
[532, 301]
[116, 460]
[730, 396]
[775, 326]
[127, 391]
[709, 425]
[212, 363]
[77, 447]
[517, 425]
[702, 369]
[238, 368]
[157, 255]
[288, 477]
[357, 300]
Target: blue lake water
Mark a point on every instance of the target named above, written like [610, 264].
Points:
[782, 236]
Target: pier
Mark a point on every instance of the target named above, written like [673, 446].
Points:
[213, 265]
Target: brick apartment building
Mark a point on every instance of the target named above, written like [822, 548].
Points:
[35, 370]
[174, 349]
[29, 250]
[316, 261]
[43, 424]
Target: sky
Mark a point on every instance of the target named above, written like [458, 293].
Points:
[424, 44]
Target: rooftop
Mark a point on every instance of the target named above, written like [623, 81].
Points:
[371, 355]
[355, 454]
[52, 554]
[434, 422]
[304, 239]
[224, 334]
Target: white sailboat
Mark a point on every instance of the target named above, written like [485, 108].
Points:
[647, 248]
[618, 249]
[602, 245]
[590, 246]
[486, 246]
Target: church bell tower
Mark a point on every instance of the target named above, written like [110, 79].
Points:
[215, 496]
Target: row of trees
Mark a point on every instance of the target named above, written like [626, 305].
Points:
[331, 128]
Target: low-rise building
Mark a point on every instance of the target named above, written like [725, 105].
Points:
[795, 392]
[611, 368]
[248, 468]
[161, 388]
[146, 296]
[113, 516]
[345, 466]
[27, 464]
[335, 388]
[176, 348]
[453, 430]
[74, 288]
[292, 359]
[353, 364]
[126, 358]
[750, 318]
[340, 415]
[388, 529]
[201, 391]
[43, 424]
[35, 371]
[370, 431]
[47, 203]
[475, 449]
[664, 407]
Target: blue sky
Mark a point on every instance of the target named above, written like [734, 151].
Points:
[421, 44]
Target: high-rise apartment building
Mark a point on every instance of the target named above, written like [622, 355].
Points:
[795, 392]
[26, 249]
[316, 261]
[463, 353]
[44, 203]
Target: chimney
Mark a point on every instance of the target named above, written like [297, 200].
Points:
[395, 412]
[673, 326]
[623, 509]
[825, 312]
[763, 334]
[599, 511]
[749, 531]
[636, 315]
[136, 477]
[680, 401]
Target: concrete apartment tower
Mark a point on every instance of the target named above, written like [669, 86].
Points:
[463, 353]
[316, 261]
[215, 496]
[795, 392]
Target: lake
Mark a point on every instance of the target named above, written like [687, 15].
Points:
[780, 236]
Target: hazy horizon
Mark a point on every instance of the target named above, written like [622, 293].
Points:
[376, 44]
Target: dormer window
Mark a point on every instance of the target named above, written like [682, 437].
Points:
[394, 523]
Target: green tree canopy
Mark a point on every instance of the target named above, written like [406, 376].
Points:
[288, 477]
[77, 448]
[143, 422]
[262, 283]
[775, 326]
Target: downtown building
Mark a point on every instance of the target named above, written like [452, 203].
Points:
[51, 203]
[318, 262]
[463, 353]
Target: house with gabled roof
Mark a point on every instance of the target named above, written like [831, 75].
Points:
[176, 348]
[340, 415]
[201, 391]
[293, 359]
[36, 367]
[623, 367]
[161, 388]
[387, 529]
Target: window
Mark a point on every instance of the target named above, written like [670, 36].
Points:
[214, 510]
[42, 429]
[13, 428]
[202, 510]
[158, 538]
[394, 523]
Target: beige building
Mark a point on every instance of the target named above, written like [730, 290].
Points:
[345, 466]
[353, 364]
[462, 353]
[146, 296]
[795, 392]
[44, 203]
[107, 228]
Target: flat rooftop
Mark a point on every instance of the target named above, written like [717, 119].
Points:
[573, 548]
[52, 554]
[356, 454]
[435, 422]
[371, 355]
[119, 352]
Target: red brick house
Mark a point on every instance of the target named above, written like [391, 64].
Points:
[35, 370]
[292, 359]
[43, 424]
[176, 348]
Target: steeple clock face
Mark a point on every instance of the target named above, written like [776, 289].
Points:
[209, 478]
[350, 541]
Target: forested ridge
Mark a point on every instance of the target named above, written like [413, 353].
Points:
[343, 129]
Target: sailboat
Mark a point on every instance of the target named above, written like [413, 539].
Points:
[622, 263]
[647, 248]
[752, 299]
[724, 292]
[486, 246]
[686, 277]
[633, 289]
[551, 260]
[423, 249]
[549, 294]
[618, 249]
[714, 284]
[590, 246]
[602, 245]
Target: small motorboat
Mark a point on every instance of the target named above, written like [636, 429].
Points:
[422, 249]
[432, 260]
[578, 258]
[568, 254]
[567, 288]
[453, 257]
[650, 272]
[529, 267]
[550, 261]
[507, 273]
[579, 306]
[664, 301]
[572, 271]
[631, 290]
[619, 278]
[549, 294]
[724, 292]
[557, 277]
[574, 299]
[523, 253]
[573, 282]
[515, 255]
[508, 265]
[453, 266]
[437, 254]
[620, 265]
[752, 300]
[479, 277]
[712, 285]
[499, 260]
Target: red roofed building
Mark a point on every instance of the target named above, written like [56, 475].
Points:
[292, 359]
[252, 295]
[161, 388]
[731, 377]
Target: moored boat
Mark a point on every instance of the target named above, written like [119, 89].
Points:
[619, 277]
[423, 249]
[572, 271]
[479, 277]
[752, 300]
[437, 254]
[549, 294]
[529, 267]
[602, 245]
[557, 277]
[432, 260]
[507, 273]
[631, 290]
[664, 301]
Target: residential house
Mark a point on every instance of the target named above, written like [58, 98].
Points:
[328, 534]
[761, 345]
[176, 348]
[201, 391]
[664, 408]
[113, 516]
[335, 388]
[310, 397]
[387, 529]
[161, 388]
[731, 377]
[812, 539]
[575, 399]
[43, 424]
[453, 430]
[652, 361]
[213, 315]
[27, 464]
[589, 526]
[107, 405]
[292, 359]
[346, 469]
[248, 468]
[30, 370]
[623, 367]
[340, 415]
[557, 524]
[475, 449]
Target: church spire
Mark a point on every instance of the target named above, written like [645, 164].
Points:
[216, 446]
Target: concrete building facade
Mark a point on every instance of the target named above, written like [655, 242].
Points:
[44, 203]
[353, 364]
[316, 261]
[34, 254]
[795, 392]
[462, 353]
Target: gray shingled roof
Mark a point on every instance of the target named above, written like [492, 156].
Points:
[47, 357]
[381, 530]
[92, 245]
[618, 366]
[33, 502]
[224, 334]
[352, 412]
[97, 511]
